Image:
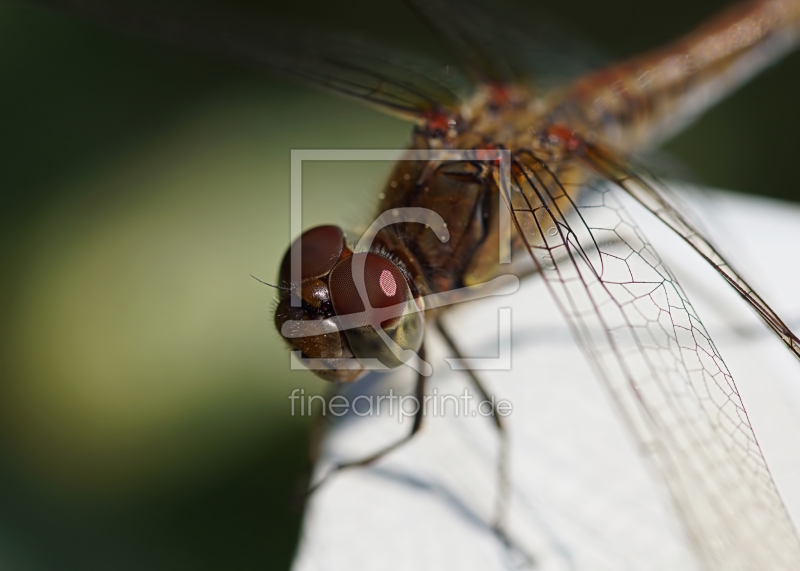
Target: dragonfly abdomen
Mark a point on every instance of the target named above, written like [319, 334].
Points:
[645, 100]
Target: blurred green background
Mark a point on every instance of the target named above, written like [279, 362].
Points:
[143, 411]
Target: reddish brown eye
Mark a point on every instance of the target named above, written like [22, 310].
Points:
[320, 249]
[385, 284]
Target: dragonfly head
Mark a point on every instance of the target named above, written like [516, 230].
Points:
[332, 326]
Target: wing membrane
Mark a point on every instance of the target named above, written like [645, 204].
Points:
[664, 373]
[648, 195]
[397, 82]
[493, 47]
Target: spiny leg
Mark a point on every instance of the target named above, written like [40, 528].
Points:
[418, 416]
[503, 483]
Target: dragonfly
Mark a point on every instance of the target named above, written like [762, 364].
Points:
[550, 139]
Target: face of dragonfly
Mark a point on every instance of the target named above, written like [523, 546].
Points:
[327, 289]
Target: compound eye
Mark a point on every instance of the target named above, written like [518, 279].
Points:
[385, 287]
[320, 249]
[384, 283]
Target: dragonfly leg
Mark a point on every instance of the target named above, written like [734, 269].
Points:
[418, 416]
[503, 482]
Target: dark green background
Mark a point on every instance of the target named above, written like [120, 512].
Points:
[92, 125]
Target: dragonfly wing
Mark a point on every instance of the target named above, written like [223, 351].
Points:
[493, 47]
[662, 370]
[396, 82]
[647, 193]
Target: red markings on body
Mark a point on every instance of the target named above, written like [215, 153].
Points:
[438, 122]
[499, 95]
[561, 134]
[488, 152]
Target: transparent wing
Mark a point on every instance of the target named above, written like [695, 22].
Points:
[664, 373]
[397, 82]
[646, 193]
[500, 42]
